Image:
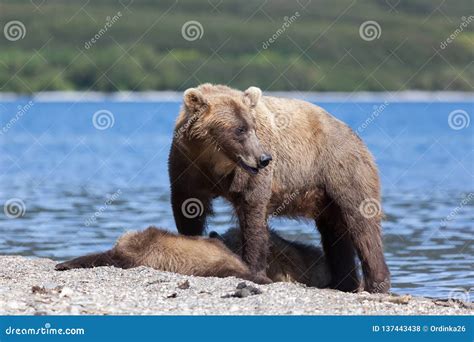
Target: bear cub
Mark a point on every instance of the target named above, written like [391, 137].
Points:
[217, 256]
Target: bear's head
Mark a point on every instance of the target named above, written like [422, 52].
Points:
[226, 118]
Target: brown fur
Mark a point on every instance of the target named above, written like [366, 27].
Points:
[287, 261]
[162, 250]
[166, 251]
[318, 161]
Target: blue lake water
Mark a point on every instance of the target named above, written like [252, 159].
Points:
[65, 170]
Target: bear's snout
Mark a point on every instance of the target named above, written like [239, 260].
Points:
[264, 160]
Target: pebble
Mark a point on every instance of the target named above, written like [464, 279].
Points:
[184, 285]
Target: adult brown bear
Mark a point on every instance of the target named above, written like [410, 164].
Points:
[281, 157]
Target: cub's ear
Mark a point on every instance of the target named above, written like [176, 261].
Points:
[216, 235]
[194, 100]
[251, 96]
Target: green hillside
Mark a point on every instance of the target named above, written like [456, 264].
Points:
[316, 45]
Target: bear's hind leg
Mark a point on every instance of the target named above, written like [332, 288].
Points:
[93, 260]
[367, 239]
[362, 225]
[355, 196]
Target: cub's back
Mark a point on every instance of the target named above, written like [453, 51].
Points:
[166, 251]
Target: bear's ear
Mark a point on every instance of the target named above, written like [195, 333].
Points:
[194, 100]
[251, 96]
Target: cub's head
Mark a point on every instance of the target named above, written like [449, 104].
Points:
[226, 119]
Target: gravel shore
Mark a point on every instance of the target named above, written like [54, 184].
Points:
[31, 286]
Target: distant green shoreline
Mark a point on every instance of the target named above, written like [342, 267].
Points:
[319, 45]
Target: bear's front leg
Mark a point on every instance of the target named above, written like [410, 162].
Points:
[190, 209]
[255, 237]
[190, 195]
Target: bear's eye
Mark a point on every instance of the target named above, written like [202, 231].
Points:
[241, 130]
